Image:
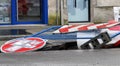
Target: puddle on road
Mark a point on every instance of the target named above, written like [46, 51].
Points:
[14, 32]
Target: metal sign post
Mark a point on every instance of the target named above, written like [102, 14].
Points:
[61, 12]
[57, 12]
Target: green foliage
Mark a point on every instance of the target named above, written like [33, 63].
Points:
[53, 20]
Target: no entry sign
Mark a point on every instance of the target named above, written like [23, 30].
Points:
[23, 45]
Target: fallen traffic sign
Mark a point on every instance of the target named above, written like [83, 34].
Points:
[23, 45]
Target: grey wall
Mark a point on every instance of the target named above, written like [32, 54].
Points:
[101, 10]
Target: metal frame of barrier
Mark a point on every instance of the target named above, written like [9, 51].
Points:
[47, 34]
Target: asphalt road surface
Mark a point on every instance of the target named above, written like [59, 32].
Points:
[103, 57]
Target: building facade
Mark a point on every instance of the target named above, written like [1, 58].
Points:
[72, 11]
[23, 12]
[102, 10]
[96, 10]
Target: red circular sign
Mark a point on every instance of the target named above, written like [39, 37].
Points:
[23, 45]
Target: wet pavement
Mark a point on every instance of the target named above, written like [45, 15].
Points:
[103, 57]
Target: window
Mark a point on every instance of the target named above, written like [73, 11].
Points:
[5, 11]
[28, 10]
[78, 10]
